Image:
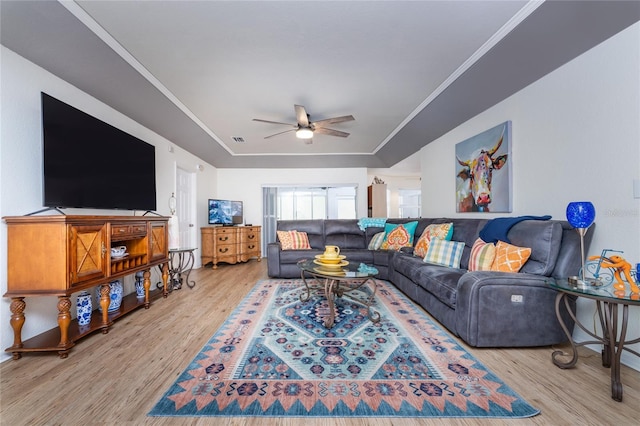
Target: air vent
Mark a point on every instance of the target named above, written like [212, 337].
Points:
[238, 139]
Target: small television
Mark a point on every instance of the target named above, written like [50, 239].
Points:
[225, 212]
[88, 163]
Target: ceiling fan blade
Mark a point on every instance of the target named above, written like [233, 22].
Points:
[333, 120]
[274, 122]
[331, 132]
[276, 134]
[301, 116]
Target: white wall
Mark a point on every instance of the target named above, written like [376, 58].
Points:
[21, 170]
[576, 136]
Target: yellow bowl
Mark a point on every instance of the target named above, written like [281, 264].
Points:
[331, 266]
[330, 260]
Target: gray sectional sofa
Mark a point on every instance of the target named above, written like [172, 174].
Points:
[483, 308]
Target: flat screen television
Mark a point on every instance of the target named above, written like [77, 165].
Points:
[91, 164]
[225, 212]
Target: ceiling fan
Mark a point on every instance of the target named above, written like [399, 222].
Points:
[305, 129]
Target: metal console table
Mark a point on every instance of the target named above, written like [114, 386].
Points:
[181, 262]
[613, 340]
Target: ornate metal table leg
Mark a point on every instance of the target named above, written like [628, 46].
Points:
[554, 356]
[188, 266]
[615, 348]
[605, 321]
[304, 298]
[330, 296]
[374, 316]
[17, 321]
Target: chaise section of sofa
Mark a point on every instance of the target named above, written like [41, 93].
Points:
[484, 308]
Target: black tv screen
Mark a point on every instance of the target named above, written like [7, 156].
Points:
[91, 164]
[225, 212]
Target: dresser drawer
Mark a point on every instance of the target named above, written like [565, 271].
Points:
[128, 230]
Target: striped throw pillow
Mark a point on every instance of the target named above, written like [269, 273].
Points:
[293, 240]
[482, 256]
[376, 241]
[445, 253]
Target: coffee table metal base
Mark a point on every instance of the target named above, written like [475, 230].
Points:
[338, 287]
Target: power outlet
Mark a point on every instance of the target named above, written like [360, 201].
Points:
[517, 298]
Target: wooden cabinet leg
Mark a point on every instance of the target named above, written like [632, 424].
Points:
[17, 321]
[146, 282]
[165, 279]
[64, 319]
[105, 300]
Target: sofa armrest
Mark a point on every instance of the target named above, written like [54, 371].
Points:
[503, 309]
[273, 259]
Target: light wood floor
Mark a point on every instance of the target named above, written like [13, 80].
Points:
[117, 378]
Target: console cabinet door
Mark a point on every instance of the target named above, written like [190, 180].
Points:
[88, 245]
[158, 242]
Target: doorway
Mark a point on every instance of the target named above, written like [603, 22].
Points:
[185, 206]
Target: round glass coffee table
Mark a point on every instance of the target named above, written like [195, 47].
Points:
[339, 282]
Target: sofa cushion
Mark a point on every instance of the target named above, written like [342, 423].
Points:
[440, 281]
[293, 240]
[398, 235]
[544, 238]
[482, 256]
[509, 258]
[445, 253]
[344, 233]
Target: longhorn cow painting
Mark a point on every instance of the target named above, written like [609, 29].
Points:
[483, 171]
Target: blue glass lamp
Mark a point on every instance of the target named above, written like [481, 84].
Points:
[581, 215]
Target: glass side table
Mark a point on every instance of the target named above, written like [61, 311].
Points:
[613, 332]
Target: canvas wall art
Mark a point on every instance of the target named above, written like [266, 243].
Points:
[483, 171]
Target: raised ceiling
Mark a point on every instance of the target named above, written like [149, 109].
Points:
[198, 72]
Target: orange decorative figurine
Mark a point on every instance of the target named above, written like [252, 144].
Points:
[622, 267]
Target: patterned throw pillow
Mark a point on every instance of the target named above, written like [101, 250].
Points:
[482, 256]
[444, 231]
[445, 253]
[376, 241]
[510, 258]
[293, 240]
[397, 236]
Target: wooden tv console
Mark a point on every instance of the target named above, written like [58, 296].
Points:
[62, 255]
[230, 244]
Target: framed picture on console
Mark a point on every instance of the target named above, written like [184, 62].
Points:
[483, 171]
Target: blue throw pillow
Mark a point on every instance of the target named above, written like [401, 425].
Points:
[390, 229]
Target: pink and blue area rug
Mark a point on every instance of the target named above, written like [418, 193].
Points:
[273, 357]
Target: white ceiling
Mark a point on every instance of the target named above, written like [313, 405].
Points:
[198, 72]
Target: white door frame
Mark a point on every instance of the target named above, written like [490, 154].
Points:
[186, 193]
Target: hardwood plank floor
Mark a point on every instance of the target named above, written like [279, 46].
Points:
[117, 378]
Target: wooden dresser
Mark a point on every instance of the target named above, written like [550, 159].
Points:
[230, 244]
[62, 255]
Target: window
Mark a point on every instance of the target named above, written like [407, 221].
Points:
[409, 202]
[298, 203]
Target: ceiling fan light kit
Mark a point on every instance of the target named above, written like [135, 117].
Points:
[305, 129]
[304, 133]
